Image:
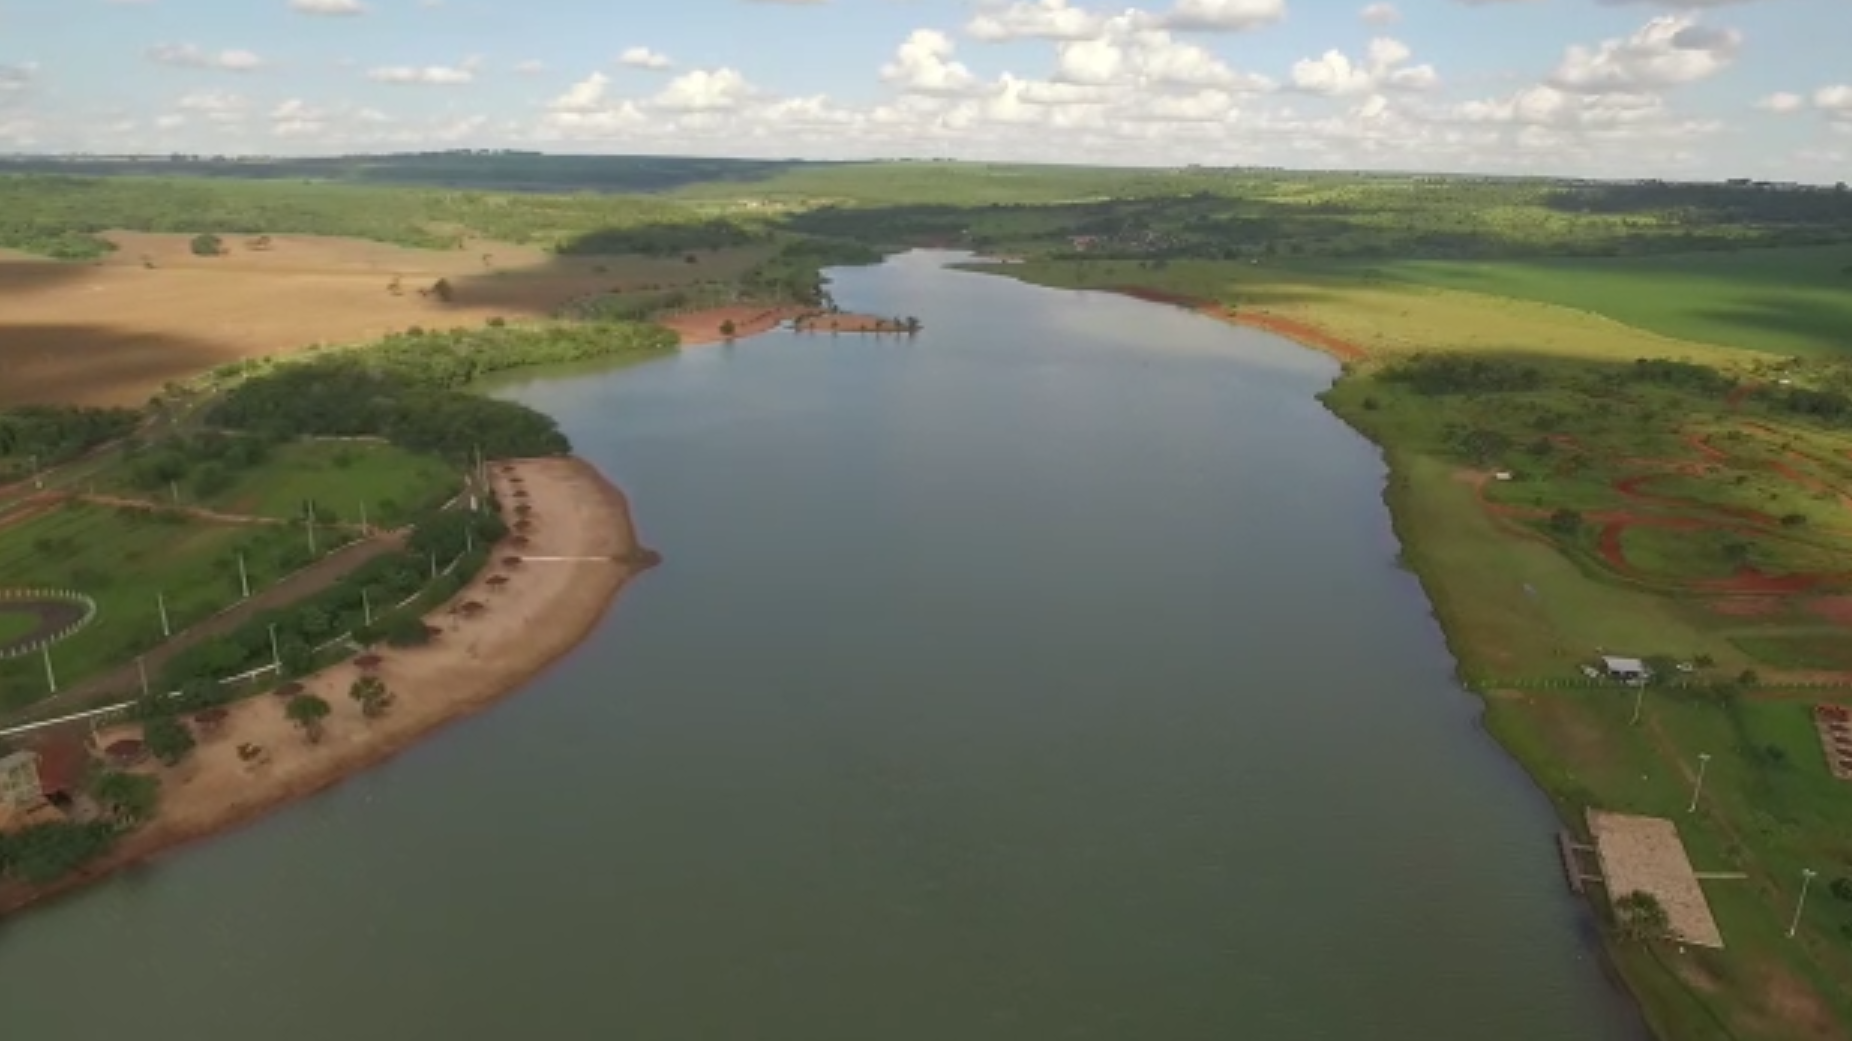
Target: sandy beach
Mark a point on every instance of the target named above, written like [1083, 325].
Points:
[582, 548]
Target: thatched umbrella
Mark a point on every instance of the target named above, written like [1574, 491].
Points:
[511, 561]
[211, 719]
[433, 631]
[520, 493]
[516, 479]
[126, 752]
[507, 469]
[496, 582]
[288, 690]
[369, 662]
[524, 525]
[524, 509]
[520, 542]
[471, 608]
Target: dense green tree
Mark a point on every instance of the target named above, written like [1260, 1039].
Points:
[1641, 918]
[310, 713]
[44, 853]
[130, 799]
[371, 694]
[207, 245]
[168, 739]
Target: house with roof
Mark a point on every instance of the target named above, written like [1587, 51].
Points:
[1626, 670]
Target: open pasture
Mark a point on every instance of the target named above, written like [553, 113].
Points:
[1789, 300]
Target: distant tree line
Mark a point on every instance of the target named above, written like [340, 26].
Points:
[1682, 374]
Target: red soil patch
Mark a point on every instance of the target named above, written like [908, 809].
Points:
[702, 327]
[1292, 329]
[1746, 608]
[1836, 609]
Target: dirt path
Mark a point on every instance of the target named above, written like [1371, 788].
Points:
[545, 610]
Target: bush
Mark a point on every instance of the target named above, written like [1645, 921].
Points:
[45, 853]
[167, 739]
[207, 246]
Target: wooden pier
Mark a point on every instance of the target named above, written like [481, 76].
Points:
[1572, 862]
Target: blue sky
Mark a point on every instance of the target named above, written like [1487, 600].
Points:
[1604, 87]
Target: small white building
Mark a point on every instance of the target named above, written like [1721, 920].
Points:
[1627, 670]
[19, 782]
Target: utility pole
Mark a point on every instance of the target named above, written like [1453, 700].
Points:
[433, 563]
[1704, 761]
[1639, 697]
[364, 529]
[366, 606]
[276, 652]
[173, 489]
[141, 667]
[244, 577]
[160, 601]
[37, 481]
[51, 678]
[1806, 880]
[310, 520]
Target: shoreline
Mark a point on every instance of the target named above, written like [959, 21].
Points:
[546, 610]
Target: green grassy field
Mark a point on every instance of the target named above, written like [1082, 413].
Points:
[14, 625]
[1790, 301]
[341, 478]
[125, 559]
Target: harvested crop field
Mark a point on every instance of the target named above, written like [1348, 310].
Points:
[112, 332]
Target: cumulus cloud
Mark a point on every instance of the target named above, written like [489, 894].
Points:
[1665, 52]
[1034, 19]
[189, 56]
[328, 8]
[1381, 14]
[704, 91]
[427, 75]
[215, 106]
[924, 65]
[1384, 67]
[1835, 101]
[530, 67]
[1782, 102]
[643, 58]
[1130, 53]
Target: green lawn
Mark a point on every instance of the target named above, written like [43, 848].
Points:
[1792, 301]
[15, 624]
[125, 560]
[341, 477]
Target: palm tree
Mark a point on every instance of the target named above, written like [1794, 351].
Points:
[1641, 917]
[308, 712]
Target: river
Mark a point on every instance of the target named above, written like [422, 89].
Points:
[1047, 675]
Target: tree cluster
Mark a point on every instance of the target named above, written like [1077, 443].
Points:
[56, 433]
[1443, 374]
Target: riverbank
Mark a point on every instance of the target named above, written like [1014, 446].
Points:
[711, 325]
[581, 549]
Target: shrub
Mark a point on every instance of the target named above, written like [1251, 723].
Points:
[207, 245]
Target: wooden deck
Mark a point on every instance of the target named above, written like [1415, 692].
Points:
[1645, 854]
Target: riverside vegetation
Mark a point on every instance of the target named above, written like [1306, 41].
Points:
[1617, 417]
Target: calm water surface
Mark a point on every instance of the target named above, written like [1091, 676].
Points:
[1046, 676]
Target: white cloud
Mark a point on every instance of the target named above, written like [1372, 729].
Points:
[1782, 102]
[1130, 53]
[1667, 51]
[923, 65]
[329, 8]
[16, 79]
[1381, 14]
[643, 58]
[1034, 19]
[704, 91]
[1383, 68]
[1835, 101]
[190, 56]
[429, 75]
[530, 67]
[1223, 15]
[583, 96]
[215, 106]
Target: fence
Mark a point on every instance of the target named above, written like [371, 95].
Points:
[47, 639]
[107, 713]
[1580, 683]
